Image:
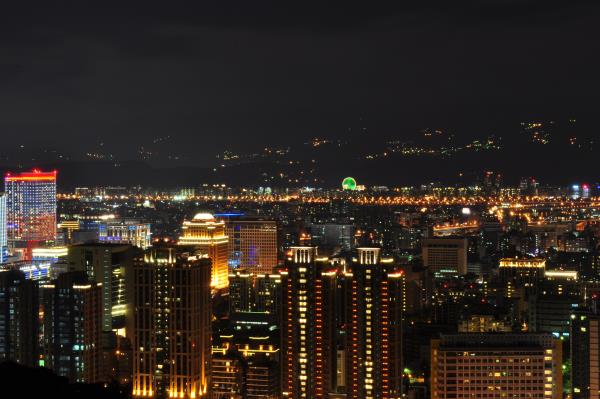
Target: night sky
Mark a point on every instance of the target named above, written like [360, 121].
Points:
[243, 74]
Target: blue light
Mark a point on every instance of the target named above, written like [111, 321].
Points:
[228, 214]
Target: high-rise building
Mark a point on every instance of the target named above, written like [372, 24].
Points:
[208, 235]
[3, 234]
[496, 365]
[171, 327]
[125, 231]
[71, 320]
[18, 318]
[255, 293]
[585, 355]
[342, 328]
[31, 205]
[252, 244]
[444, 257]
[308, 356]
[374, 353]
[108, 265]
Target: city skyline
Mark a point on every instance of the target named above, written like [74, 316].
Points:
[301, 200]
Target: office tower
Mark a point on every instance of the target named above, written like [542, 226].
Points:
[71, 320]
[227, 377]
[521, 272]
[171, 325]
[18, 318]
[585, 355]
[374, 353]
[108, 265]
[550, 306]
[241, 291]
[268, 292]
[3, 233]
[307, 352]
[444, 257]
[31, 205]
[496, 366]
[208, 235]
[125, 231]
[255, 293]
[252, 244]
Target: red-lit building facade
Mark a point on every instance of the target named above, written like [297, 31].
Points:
[31, 209]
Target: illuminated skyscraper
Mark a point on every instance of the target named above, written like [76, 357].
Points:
[3, 234]
[31, 205]
[342, 329]
[308, 355]
[255, 293]
[374, 353]
[171, 325]
[107, 264]
[71, 320]
[252, 245]
[208, 235]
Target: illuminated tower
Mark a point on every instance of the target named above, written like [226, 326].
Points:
[31, 205]
[170, 328]
[342, 328]
[252, 245]
[3, 236]
[71, 320]
[374, 350]
[208, 235]
[107, 264]
[307, 338]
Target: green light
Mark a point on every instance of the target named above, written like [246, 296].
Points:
[349, 183]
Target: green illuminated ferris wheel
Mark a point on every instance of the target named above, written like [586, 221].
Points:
[349, 183]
